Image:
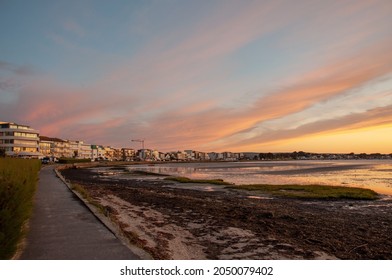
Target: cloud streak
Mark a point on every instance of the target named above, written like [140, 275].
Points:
[371, 118]
[320, 85]
[181, 88]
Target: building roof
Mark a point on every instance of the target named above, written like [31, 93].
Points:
[45, 138]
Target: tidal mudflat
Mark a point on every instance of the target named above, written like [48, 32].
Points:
[171, 220]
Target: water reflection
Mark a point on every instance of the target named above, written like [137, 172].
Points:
[376, 175]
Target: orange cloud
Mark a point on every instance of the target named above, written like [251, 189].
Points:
[217, 124]
[371, 118]
[165, 94]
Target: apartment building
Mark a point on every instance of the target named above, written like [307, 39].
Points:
[45, 146]
[97, 152]
[79, 149]
[19, 140]
[128, 154]
[58, 147]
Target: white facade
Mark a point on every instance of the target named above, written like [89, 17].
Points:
[128, 154]
[80, 150]
[19, 140]
[59, 148]
[85, 150]
[97, 152]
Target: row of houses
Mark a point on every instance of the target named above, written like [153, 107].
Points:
[24, 141]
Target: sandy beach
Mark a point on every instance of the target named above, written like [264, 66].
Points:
[173, 221]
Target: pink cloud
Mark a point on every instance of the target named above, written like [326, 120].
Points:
[316, 86]
[371, 118]
[166, 94]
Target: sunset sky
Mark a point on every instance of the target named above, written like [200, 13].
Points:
[257, 76]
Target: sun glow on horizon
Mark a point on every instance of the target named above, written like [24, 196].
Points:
[376, 139]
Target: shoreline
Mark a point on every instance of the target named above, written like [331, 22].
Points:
[179, 223]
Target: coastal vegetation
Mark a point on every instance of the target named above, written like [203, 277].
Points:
[311, 191]
[18, 181]
[198, 181]
[86, 196]
[292, 191]
[148, 173]
[74, 160]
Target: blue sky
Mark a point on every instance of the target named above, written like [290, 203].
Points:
[205, 75]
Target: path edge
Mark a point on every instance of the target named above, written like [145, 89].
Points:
[108, 223]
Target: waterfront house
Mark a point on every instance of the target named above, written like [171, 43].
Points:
[19, 140]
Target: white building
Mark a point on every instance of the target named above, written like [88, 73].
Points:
[85, 150]
[80, 150]
[128, 154]
[45, 147]
[59, 148]
[19, 140]
[97, 152]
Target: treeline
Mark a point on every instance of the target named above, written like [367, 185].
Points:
[18, 180]
[305, 155]
[73, 160]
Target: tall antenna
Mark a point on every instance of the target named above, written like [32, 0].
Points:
[139, 140]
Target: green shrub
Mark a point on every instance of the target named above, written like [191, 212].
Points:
[197, 181]
[312, 191]
[74, 160]
[18, 180]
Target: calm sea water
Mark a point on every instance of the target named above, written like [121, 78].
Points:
[373, 174]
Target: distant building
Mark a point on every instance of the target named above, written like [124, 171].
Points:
[19, 140]
[143, 154]
[128, 154]
[97, 152]
[155, 155]
[58, 147]
[181, 155]
[212, 156]
[162, 156]
[74, 148]
[79, 149]
[200, 155]
[85, 150]
[45, 146]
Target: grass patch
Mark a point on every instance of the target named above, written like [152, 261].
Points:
[312, 191]
[74, 160]
[85, 194]
[147, 173]
[18, 182]
[198, 181]
[81, 190]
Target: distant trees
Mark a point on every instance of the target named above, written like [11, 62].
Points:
[305, 155]
[267, 156]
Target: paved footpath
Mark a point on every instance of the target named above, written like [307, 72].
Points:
[63, 228]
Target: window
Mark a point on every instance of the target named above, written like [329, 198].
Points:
[25, 142]
[25, 134]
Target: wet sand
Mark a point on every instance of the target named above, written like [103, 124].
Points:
[173, 221]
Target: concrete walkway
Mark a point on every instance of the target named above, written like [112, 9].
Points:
[63, 228]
